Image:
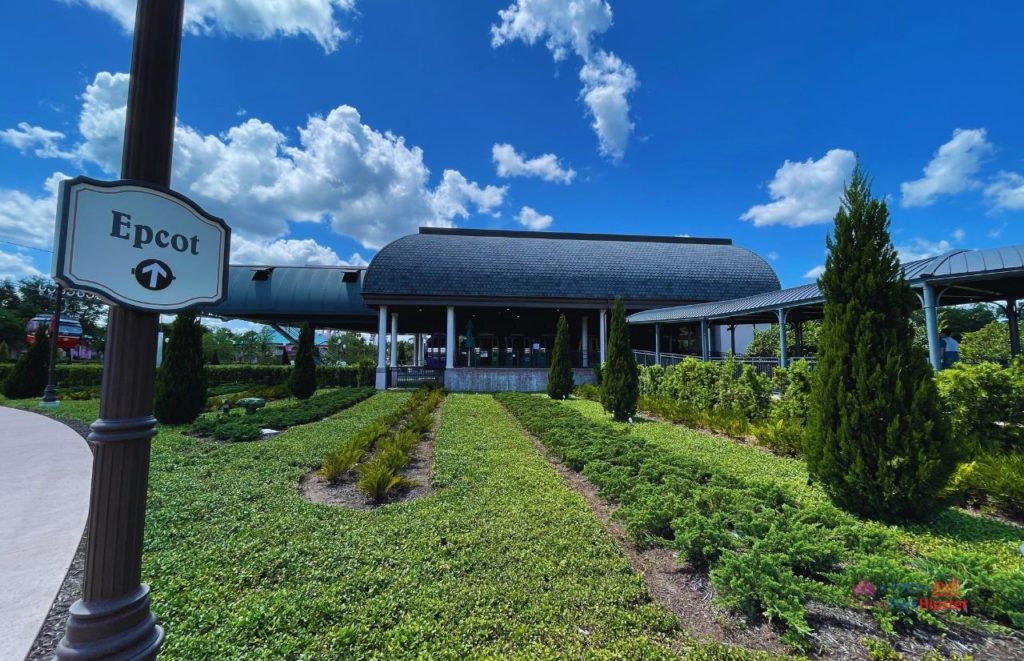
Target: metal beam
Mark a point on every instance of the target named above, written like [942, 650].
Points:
[657, 344]
[783, 351]
[931, 322]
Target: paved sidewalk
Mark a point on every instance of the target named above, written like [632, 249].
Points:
[45, 470]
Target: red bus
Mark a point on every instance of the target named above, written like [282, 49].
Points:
[69, 335]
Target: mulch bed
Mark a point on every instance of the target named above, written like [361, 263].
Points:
[345, 493]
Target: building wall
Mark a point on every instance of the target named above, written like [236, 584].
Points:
[482, 379]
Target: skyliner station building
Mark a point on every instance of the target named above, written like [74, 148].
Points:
[482, 305]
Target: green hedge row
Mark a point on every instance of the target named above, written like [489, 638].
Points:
[327, 376]
[769, 549]
[238, 426]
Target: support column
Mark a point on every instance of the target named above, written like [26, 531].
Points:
[585, 345]
[394, 339]
[449, 353]
[603, 336]
[931, 322]
[416, 350]
[783, 350]
[382, 333]
[732, 339]
[657, 344]
[705, 344]
[1013, 317]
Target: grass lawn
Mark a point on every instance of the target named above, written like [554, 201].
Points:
[503, 560]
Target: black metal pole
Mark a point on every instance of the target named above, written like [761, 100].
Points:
[50, 393]
[113, 620]
[1013, 318]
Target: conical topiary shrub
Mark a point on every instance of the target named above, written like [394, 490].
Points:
[181, 379]
[877, 438]
[302, 382]
[28, 378]
[560, 382]
[619, 383]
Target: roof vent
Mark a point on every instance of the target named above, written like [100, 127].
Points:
[259, 275]
[350, 276]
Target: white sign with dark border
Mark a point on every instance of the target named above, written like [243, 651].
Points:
[139, 245]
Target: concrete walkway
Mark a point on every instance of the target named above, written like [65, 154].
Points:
[45, 470]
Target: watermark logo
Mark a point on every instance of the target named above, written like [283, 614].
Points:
[937, 597]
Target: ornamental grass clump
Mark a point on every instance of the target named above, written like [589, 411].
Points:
[878, 438]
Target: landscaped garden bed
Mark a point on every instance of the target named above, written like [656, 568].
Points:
[775, 547]
[241, 426]
[503, 561]
[389, 461]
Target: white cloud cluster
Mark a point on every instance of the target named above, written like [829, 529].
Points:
[570, 25]
[951, 170]
[510, 163]
[918, 248]
[41, 142]
[1006, 192]
[288, 252]
[531, 219]
[316, 19]
[27, 220]
[805, 193]
[366, 184]
[815, 273]
[16, 265]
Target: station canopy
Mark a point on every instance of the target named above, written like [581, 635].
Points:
[958, 276]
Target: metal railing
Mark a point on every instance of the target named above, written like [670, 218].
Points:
[646, 358]
[762, 364]
[414, 377]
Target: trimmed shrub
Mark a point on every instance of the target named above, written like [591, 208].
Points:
[587, 391]
[302, 382]
[984, 405]
[990, 342]
[993, 481]
[619, 391]
[28, 376]
[877, 439]
[181, 380]
[560, 381]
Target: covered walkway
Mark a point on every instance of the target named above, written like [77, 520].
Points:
[993, 275]
[46, 472]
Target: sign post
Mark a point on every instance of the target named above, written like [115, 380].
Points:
[113, 619]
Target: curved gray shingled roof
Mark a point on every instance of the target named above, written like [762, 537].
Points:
[945, 269]
[484, 264]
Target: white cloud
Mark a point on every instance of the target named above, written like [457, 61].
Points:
[16, 266]
[364, 183]
[571, 25]
[531, 219]
[607, 82]
[510, 163]
[41, 142]
[316, 19]
[805, 193]
[959, 234]
[1006, 192]
[288, 252]
[773, 255]
[28, 220]
[815, 273]
[950, 171]
[919, 248]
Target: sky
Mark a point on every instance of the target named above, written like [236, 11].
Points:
[320, 130]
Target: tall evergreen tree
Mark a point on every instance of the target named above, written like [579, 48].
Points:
[181, 379]
[28, 378]
[878, 439]
[302, 382]
[560, 381]
[619, 387]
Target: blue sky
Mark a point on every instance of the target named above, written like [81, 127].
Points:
[325, 128]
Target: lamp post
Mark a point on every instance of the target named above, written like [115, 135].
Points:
[50, 393]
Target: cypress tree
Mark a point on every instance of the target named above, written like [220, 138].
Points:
[878, 439]
[181, 379]
[28, 378]
[619, 386]
[560, 381]
[302, 382]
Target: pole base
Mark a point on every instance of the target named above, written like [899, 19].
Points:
[121, 628]
[49, 403]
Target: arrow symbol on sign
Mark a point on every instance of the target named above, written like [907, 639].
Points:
[155, 272]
